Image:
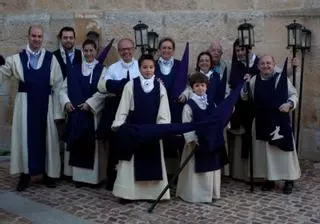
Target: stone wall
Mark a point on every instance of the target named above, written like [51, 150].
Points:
[196, 21]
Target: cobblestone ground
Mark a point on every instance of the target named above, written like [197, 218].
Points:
[237, 205]
[7, 217]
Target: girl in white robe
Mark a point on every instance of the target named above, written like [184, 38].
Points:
[126, 186]
[89, 68]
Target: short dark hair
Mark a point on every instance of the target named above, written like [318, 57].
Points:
[88, 42]
[93, 34]
[146, 57]
[167, 39]
[35, 26]
[237, 44]
[198, 77]
[67, 29]
[198, 59]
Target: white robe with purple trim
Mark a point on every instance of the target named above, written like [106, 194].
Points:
[125, 185]
[98, 173]
[269, 161]
[192, 186]
[19, 146]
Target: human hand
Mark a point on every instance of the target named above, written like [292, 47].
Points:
[182, 98]
[295, 62]
[84, 107]
[159, 80]
[69, 107]
[285, 108]
[247, 77]
[195, 143]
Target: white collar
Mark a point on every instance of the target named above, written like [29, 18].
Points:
[28, 49]
[166, 62]
[251, 61]
[208, 74]
[87, 68]
[63, 51]
[147, 84]
[201, 101]
[39, 53]
[165, 65]
[125, 64]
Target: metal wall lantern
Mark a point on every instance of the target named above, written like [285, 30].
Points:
[305, 39]
[294, 35]
[153, 39]
[141, 35]
[246, 34]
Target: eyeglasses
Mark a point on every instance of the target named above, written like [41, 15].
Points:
[212, 50]
[125, 49]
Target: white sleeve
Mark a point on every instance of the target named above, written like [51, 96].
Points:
[96, 102]
[57, 82]
[164, 115]
[124, 106]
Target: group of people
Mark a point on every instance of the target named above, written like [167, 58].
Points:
[70, 96]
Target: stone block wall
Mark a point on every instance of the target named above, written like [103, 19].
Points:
[196, 21]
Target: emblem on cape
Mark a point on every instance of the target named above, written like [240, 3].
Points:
[276, 134]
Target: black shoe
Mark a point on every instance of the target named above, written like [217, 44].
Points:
[78, 184]
[109, 186]
[123, 201]
[49, 182]
[66, 178]
[287, 188]
[94, 186]
[268, 185]
[23, 182]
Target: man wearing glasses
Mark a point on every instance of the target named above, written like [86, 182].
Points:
[112, 83]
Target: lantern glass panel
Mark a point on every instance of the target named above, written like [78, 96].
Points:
[291, 37]
[151, 40]
[308, 40]
[303, 39]
[156, 42]
[240, 36]
[298, 37]
[138, 37]
[244, 41]
[144, 37]
[252, 38]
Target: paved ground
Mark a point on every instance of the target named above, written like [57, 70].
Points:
[88, 205]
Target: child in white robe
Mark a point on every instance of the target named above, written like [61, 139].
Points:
[127, 186]
[196, 186]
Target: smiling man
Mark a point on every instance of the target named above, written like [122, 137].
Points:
[67, 52]
[117, 75]
[274, 152]
[34, 141]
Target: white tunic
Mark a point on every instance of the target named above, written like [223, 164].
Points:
[118, 71]
[269, 161]
[19, 146]
[125, 185]
[192, 186]
[98, 173]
